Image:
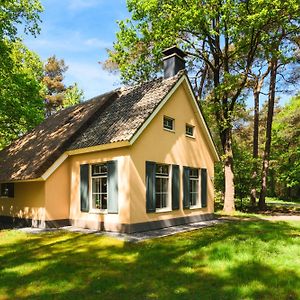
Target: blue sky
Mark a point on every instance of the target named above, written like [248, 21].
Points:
[79, 31]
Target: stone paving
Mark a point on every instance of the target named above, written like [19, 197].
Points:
[159, 233]
[133, 237]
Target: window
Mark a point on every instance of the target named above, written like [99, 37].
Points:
[194, 187]
[162, 186]
[99, 186]
[7, 190]
[168, 123]
[189, 130]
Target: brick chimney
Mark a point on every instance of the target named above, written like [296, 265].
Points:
[173, 61]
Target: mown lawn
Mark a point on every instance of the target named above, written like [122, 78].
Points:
[236, 260]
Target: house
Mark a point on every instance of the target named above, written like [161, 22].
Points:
[130, 160]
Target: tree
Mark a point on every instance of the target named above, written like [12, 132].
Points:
[286, 145]
[21, 105]
[55, 88]
[57, 95]
[257, 78]
[14, 14]
[73, 95]
[221, 39]
[20, 70]
[279, 52]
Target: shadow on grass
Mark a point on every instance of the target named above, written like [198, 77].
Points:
[240, 260]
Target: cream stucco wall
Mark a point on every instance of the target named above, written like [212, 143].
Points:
[162, 146]
[28, 203]
[57, 193]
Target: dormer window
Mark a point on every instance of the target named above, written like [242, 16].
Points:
[169, 123]
[189, 130]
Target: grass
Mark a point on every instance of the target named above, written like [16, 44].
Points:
[236, 260]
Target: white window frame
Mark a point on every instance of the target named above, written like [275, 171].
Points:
[198, 202]
[168, 206]
[173, 122]
[193, 128]
[92, 208]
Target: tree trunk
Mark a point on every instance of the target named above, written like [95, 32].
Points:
[226, 138]
[255, 147]
[266, 156]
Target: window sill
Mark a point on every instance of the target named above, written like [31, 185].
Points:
[6, 197]
[98, 211]
[163, 210]
[169, 130]
[195, 207]
[190, 136]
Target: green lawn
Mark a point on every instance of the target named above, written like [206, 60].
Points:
[237, 260]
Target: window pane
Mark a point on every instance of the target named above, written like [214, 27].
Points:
[194, 173]
[168, 123]
[96, 201]
[165, 185]
[189, 130]
[103, 185]
[104, 201]
[158, 200]
[99, 169]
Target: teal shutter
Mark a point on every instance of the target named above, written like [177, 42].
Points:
[186, 187]
[175, 187]
[11, 190]
[84, 188]
[112, 187]
[203, 188]
[7, 190]
[150, 186]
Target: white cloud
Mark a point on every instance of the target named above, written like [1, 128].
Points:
[72, 42]
[97, 43]
[82, 4]
[91, 78]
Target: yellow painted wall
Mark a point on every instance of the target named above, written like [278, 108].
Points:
[28, 203]
[57, 193]
[91, 220]
[161, 146]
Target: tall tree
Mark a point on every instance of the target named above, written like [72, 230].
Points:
[55, 88]
[257, 78]
[20, 69]
[21, 104]
[280, 52]
[57, 95]
[221, 40]
[286, 145]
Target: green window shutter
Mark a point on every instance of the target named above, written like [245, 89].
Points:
[186, 187]
[7, 190]
[11, 190]
[175, 187]
[150, 186]
[112, 187]
[203, 188]
[84, 188]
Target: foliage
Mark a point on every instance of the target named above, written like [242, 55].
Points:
[233, 260]
[57, 96]
[15, 13]
[20, 70]
[221, 39]
[73, 95]
[55, 88]
[21, 105]
[286, 145]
